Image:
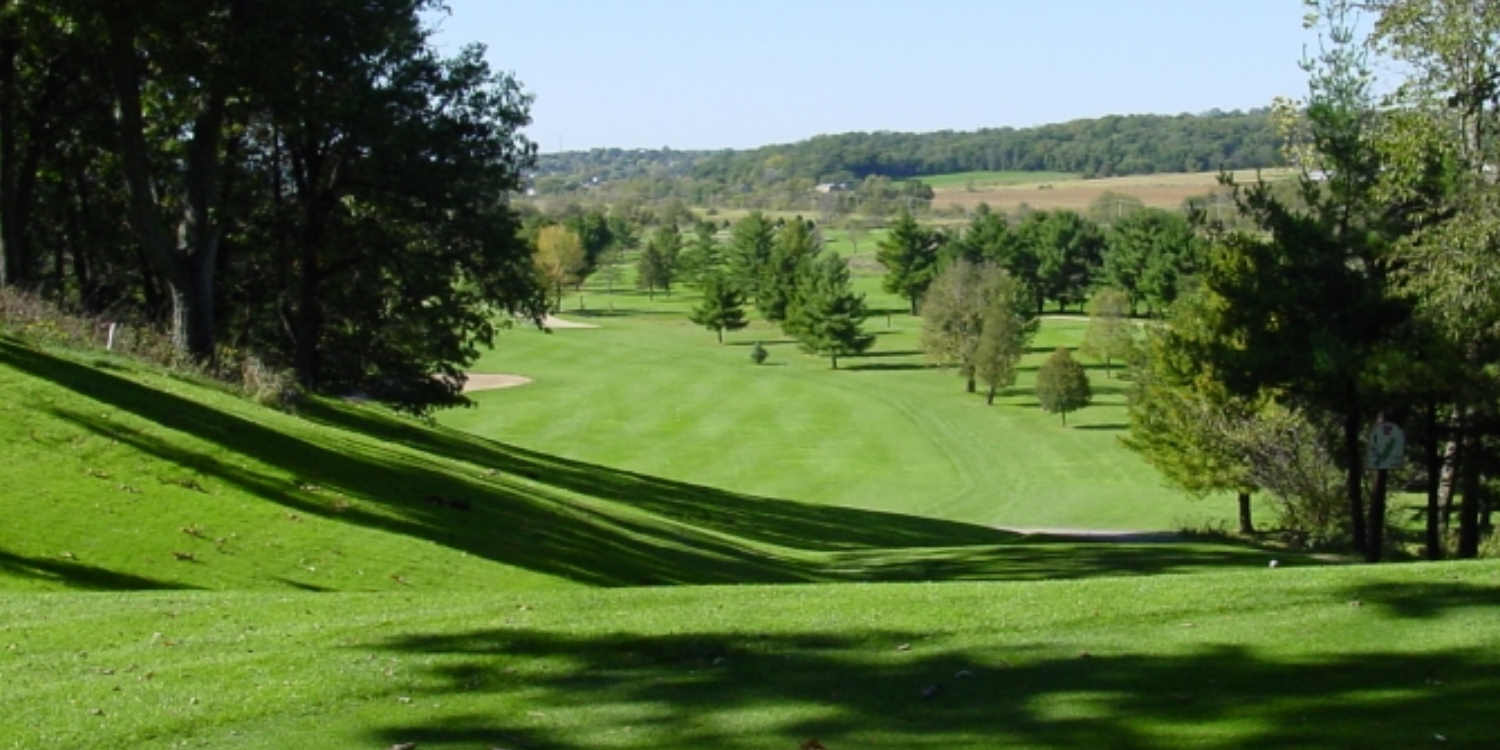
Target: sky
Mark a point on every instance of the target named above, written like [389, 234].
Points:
[739, 73]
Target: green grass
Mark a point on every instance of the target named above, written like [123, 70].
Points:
[136, 479]
[980, 179]
[374, 580]
[650, 392]
[1337, 657]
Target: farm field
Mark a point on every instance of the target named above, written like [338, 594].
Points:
[1049, 191]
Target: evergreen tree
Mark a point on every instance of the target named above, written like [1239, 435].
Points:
[722, 308]
[657, 265]
[909, 253]
[827, 317]
[794, 250]
[749, 252]
[1062, 385]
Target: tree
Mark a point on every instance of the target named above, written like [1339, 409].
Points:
[793, 252]
[609, 267]
[560, 259]
[909, 253]
[1442, 152]
[701, 260]
[722, 308]
[1062, 385]
[954, 310]
[1148, 254]
[1068, 250]
[1110, 334]
[827, 317]
[1006, 330]
[1308, 299]
[1183, 422]
[657, 265]
[750, 243]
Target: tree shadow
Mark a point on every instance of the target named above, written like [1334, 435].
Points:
[1426, 600]
[892, 366]
[75, 575]
[884, 688]
[762, 342]
[893, 353]
[1110, 426]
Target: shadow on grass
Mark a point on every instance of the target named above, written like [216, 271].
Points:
[892, 366]
[858, 688]
[1109, 426]
[571, 519]
[892, 353]
[77, 575]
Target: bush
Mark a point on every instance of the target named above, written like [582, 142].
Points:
[758, 354]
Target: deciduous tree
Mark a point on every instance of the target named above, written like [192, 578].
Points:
[1062, 385]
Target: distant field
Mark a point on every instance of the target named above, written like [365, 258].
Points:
[1052, 191]
[986, 179]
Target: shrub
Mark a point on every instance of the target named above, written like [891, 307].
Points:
[758, 353]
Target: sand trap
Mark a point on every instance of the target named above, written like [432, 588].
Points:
[488, 381]
[552, 321]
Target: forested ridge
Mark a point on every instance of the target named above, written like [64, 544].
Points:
[1099, 147]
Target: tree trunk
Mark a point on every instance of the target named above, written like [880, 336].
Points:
[8, 94]
[187, 261]
[1448, 480]
[1246, 526]
[1354, 472]
[969, 387]
[835, 361]
[989, 398]
[1434, 547]
[913, 309]
[720, 331]
[1468, 514]
[1375, 543]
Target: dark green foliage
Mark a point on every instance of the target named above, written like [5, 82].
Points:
[657, 265]
[1067, 250]
[749, 253]
[703, 257]
[758, 353]
[1062, 385]
[1149, 255]
[794, 250]
[722, 308]
[311, 183]
[909, 253]
[1113, 145]
[827, 318]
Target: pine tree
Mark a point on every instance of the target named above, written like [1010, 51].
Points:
[909, 253]
[722, 308]
[826, 317]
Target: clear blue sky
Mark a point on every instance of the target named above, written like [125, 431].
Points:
[713, 74]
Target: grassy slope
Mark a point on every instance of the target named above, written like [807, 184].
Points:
[123, 478]
[1336, 657]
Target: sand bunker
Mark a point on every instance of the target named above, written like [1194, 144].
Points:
[487, 381]
[552, 321]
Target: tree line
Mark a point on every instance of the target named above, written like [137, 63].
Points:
[313, 183]
[1097, 147]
